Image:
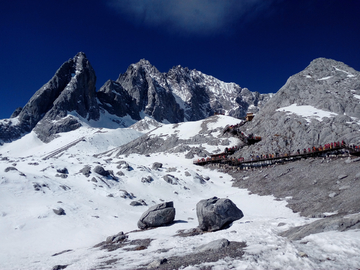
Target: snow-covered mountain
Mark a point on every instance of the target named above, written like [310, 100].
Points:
[101, 159]
[180, 95]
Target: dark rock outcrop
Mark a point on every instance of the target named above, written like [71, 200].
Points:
[157, 215]
[59, 211]
[215, 214]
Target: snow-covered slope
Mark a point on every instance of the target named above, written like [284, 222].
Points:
[32, 184]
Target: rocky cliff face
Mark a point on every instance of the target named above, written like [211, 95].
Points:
[176, 96]
[72, 89]
[325, 107]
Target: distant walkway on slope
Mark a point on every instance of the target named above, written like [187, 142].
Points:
[260, 161]
[63, 148]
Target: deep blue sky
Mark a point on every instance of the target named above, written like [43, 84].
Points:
[257, 44]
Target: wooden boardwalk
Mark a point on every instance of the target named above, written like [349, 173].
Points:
[223, 158]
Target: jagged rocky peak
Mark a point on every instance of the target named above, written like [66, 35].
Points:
[71, 89]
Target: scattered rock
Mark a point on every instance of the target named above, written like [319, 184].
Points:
[147, 179]
[8, 169]
[199, 179]
[86, 170]
[59, 267]
[100, 170]
[126, 195]
[187, 173]
[59, 211]
[157, 215]
[342, 176]
[33, 163]
[64, 187]
[171, 169]
[215, 214]
[157, 165]
[138, 203]
[61, 175]
[120, 173]
[214, 245]
[171, 179]
[63, 171]
[157, 263]
[120, 237]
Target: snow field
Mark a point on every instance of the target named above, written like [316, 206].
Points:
[31, 233]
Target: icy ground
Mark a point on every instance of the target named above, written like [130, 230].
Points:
[31, 233]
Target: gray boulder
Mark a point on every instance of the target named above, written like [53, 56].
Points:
[100, 170]
[214, 245]
[171, 179]
[86, 170]
[215, 214]
[59, 211]
[157, 215]
[157, 165]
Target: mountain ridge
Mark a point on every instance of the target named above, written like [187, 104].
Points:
[176, 96]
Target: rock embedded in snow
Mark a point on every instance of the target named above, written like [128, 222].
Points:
[157, 166]
[214, 213]
[138, 203]
[116, 238]
[86, 170]
[171, 179]
[100, 170]
[147, 179]
[63, 170]
[214, 245]
[157, 216]
[59, 211]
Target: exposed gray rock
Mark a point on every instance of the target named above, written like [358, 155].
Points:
[147, 179]
[72, 89]
[63, 170]
[116, 238]
[214, 245]
[171, 179]
[126, 195]
[332, 223]
[138, 203]
[325, 84]
[59, 211]
[215, 214]
[8, 169]
[157, 215]
[86, 170]
[199, 179]
[100, 170]
[62, 175]
[59, 267]
[157, 166]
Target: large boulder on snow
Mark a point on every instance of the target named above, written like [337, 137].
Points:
[157, 215]
[215, 213]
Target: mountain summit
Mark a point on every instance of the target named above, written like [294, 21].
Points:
[70, 98]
